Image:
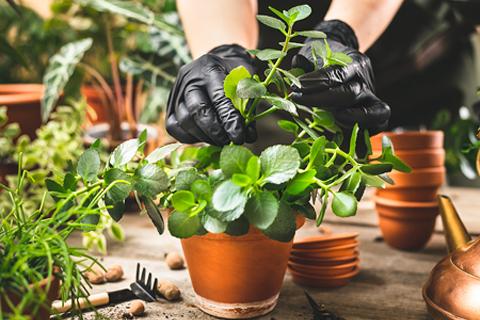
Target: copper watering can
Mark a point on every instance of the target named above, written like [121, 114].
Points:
[453, 288]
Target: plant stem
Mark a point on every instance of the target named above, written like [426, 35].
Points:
[269, 77]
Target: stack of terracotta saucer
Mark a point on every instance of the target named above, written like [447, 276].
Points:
[325, 261]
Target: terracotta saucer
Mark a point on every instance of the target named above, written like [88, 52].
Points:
[325, 261]
[325, 241]
[324, 282]
[323, 271]
[327, 253]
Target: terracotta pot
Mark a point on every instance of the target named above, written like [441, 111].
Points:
[43, 312]
[323, 271]
[406, 225]
[420, 158]
[334, 261]
[98, 112]
[324, 282]
[426, 177]
[237, 277]
[101, 131]
[23, 105]
[326, 253]
[410, 140]
[326, 241]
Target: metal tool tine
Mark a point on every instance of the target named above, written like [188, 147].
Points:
[137, 277]
[142, 278]
[149, 281]
[155, 283]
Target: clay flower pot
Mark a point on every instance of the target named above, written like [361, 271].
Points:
[43, 312]
[328, 241]
[406, 225]
[327, 253]
[237, 277]
[99, 107]
[410, 140]
[418, 185]
[23, 105]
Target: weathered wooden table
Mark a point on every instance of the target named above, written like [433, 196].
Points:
[387, 288]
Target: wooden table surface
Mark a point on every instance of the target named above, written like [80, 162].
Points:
[387, 288]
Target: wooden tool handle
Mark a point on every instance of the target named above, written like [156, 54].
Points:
[95, 300]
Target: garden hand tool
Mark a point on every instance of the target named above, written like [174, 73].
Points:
[319, 311]
[348, 91]
[198, 110]
[142, 289]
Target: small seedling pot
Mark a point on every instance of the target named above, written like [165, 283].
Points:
[418, 159]
[42, 312]
[324, 282]
[406, 225]
[237, 277]
[410, 140]
[23, 105]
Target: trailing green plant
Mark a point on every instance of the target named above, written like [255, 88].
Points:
[33, 246]
[227, 189]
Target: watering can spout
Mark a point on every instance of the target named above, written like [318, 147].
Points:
[455, 232]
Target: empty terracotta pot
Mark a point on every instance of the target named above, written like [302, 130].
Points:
[423, 158]
[324, 282]
[23, 105]
[237, 277]
[406, 225]
[409, 194]
[425, 177]
[410, 140]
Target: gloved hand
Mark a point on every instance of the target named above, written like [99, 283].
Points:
[198, 110]
[347, 91]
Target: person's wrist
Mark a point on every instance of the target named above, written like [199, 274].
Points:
[339, 31]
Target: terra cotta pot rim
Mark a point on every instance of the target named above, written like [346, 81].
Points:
[20, 98]
[352, 245]
[13, 88]
[325, 238]
[405, 204]
[322, 267]
[348, 275]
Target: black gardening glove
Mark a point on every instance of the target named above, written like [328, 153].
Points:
[347, 91]
[198, 110]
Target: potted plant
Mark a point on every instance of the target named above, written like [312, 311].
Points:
[37, 265]
[123, 99]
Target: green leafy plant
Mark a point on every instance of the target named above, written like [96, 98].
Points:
[33, 246]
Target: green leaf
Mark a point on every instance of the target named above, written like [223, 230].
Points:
[323, 118]
[183, 225]
[388, 156]
[162, 152]
[230, 200]
[284, 226]
[124, 153]
[293, 79]
[373, 181]
[368, 143]
[241, 180]
[120, 190]
[89, 165]
[60, 69]
[377, 168]
[253, 168]
[261, 209]
[293, 45]
[344, 204]
[339, 58]
[306, 209]
[238, 227]
[308, 130]
[249, 88]
[269, 54]
[202, 190]
[53, 186]
[150, 180]
[154, 214]
[289, 126]
[323, 209]
[279, 163]
[115, 209]
[117, 232]
[353, 140]
[353, 183]
[185, 178]
[385, 177]
[234, 159]
[301, 182]
[272, 22]
[279, 14]
[282, 104]
[317, 151]
[231, 82]
[183, 200]
[312, 34]
[301, 12]
[70, 182]
[212, 224]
